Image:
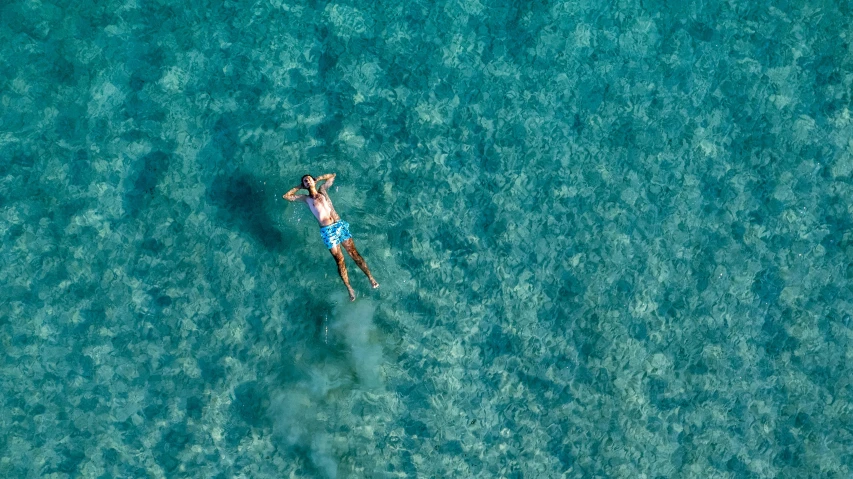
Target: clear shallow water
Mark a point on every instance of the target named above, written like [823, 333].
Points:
[613, 241]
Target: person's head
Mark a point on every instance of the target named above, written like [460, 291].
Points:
[308, 181]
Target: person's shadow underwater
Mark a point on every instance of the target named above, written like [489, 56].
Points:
[241, 201]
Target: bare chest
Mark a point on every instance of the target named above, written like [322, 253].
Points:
[321, 206]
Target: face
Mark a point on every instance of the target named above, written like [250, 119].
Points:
[308, 182]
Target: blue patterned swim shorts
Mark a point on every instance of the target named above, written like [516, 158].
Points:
[335, 233]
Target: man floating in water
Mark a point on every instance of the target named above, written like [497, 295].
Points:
[333, 229]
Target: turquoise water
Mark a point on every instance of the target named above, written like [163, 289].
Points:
[613, 239]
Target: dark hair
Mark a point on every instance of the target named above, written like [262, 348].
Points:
[302, 181]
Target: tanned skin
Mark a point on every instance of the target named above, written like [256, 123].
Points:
[321, 205]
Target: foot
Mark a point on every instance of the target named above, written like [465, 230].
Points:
[374, 283]
[351, 294]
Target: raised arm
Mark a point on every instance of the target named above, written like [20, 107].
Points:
[330, 179]
[292, 196]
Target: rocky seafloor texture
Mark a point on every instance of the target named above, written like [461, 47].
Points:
[613, 240]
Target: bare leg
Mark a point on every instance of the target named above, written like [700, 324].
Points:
[349, 245]
[342, 269]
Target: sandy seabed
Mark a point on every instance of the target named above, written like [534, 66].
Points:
[613, 240]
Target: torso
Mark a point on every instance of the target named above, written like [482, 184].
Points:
[324, 211]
